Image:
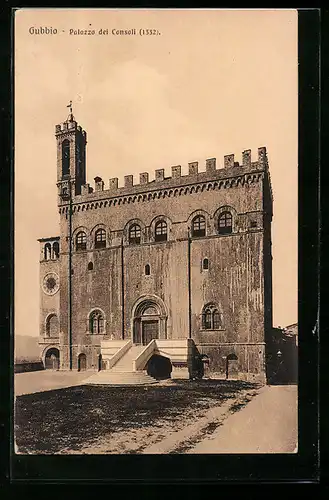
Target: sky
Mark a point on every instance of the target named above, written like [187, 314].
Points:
[212, 82]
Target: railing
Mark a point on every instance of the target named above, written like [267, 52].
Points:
[118, 355]
[141, 360]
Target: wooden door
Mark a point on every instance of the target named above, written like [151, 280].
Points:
[82, 362]
[150, 331]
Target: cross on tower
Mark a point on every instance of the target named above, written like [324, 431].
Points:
[70, 106]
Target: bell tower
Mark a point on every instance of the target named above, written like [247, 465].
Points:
[71, 156]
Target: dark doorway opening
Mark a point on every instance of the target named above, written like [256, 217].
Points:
[100, 363]
[52, 359]
[159, 367]
[82, 362]
[231, 366]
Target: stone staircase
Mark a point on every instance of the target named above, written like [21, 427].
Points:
[122, 372]
[125, 364]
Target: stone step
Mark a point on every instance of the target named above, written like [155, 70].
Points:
[126, 362]
[120, 378]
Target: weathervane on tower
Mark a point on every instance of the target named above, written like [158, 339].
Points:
[71, 112]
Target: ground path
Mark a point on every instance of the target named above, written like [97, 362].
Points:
[267, 424]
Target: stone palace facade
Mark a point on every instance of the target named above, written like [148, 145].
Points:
[180, 263]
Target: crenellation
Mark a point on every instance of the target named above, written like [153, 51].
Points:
[246, 158]
[232, 170]
[85, 189]
[211, 165]
[113, 184]
[229, 161]
[99, 184]
[159, 175]
[193, 168]
[144, 178]
[262, 156]
[176, 171]
[128, 181]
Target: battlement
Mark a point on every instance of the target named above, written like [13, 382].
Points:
[231, 168]
[69, 126]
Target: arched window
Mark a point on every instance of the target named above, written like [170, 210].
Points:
[147, 270]
[134, 234]
[56, 250]
[100, 238]
[47, 251]
[205, 264]
[81, 241]
[211, 318]
[225, 223]
[90, 266]
[198, 226]
[96, 322]
[161, 231]
[52, 326]
[65, 157]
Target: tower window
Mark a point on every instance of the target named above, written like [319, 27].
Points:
[211, 318]
[90, 266]
[47, 251]
[81, 241]
[225, 223]
[96, 322]
[52, 326]
[135, 234]
[205, 264]
[198, 226]
[100, 238]
[161, 231]
[65, 157]
[56, 250]
[147, 270]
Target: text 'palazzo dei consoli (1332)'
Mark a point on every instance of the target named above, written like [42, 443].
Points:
[178, 267]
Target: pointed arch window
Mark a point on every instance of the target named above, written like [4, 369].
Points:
[96, 322]
[147, 270]
[65, 157]
[134, 234]
[205, 264]
[81, 241]
[211, 318]
[225, 223]
[198, 226]
[100, 238]
[161, 231]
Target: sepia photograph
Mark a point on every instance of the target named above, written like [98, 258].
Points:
[156, 231]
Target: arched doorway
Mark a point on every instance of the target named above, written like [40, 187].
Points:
[100, 363]
[159, 367]
[82, 362]
[148, 322]
[231, 366]
[52, 359]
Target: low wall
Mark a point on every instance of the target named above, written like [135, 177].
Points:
[27, 366]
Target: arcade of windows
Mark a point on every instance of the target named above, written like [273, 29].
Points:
[51, 251]
[211, 320]
[198, 230]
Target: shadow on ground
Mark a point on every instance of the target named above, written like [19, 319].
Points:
[46, 422]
